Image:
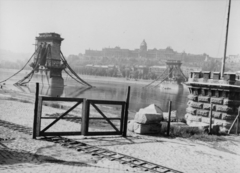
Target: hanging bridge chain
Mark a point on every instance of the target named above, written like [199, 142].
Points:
[165, 78]
[157, 78]
[21, 68]
[72, 71]
[29, 76]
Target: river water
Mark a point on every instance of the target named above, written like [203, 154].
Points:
[109, 89]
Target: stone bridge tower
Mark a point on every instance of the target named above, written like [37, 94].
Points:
[48, 57]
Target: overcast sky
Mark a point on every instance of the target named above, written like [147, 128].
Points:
[196, 26]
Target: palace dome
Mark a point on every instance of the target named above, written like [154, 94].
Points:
[143, 46]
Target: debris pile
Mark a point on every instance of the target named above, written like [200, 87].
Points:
[147, 120]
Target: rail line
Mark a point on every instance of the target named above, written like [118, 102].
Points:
[94, 150]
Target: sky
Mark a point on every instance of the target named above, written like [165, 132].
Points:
[193, 26]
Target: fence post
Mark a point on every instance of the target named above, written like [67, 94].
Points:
[210, 124]
[35, 111]
[122, 118]
[124, 134]
[169, 116]
[85, 116]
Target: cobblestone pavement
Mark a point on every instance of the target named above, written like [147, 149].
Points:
[20, 153]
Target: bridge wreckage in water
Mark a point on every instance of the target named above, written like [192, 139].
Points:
[49, 59]
[171, 79]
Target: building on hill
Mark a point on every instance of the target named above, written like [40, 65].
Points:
[232, 63]
[233, 59]
[144, 52]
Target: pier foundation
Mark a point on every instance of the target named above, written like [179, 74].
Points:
[208, 89]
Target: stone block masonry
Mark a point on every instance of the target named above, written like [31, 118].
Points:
[224, 94]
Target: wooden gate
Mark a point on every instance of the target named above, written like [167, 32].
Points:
[84, 118]
[38, 117]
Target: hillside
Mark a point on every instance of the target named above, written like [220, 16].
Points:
[6, 55]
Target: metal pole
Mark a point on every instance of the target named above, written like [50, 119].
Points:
[226, 39]
[210, 125]
[169, 116]
[126, 113]
[35, 111]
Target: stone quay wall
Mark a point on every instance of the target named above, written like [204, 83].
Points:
[224, 94]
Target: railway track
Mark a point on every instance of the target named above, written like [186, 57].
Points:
[95, 151]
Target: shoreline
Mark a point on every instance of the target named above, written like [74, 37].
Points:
[91, 78]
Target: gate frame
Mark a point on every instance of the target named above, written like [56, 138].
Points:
[38, 117]
[85, 116]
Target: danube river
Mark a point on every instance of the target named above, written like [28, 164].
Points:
[108, 89]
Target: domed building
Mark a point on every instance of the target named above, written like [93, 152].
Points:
[143, 49]
[143, 46]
